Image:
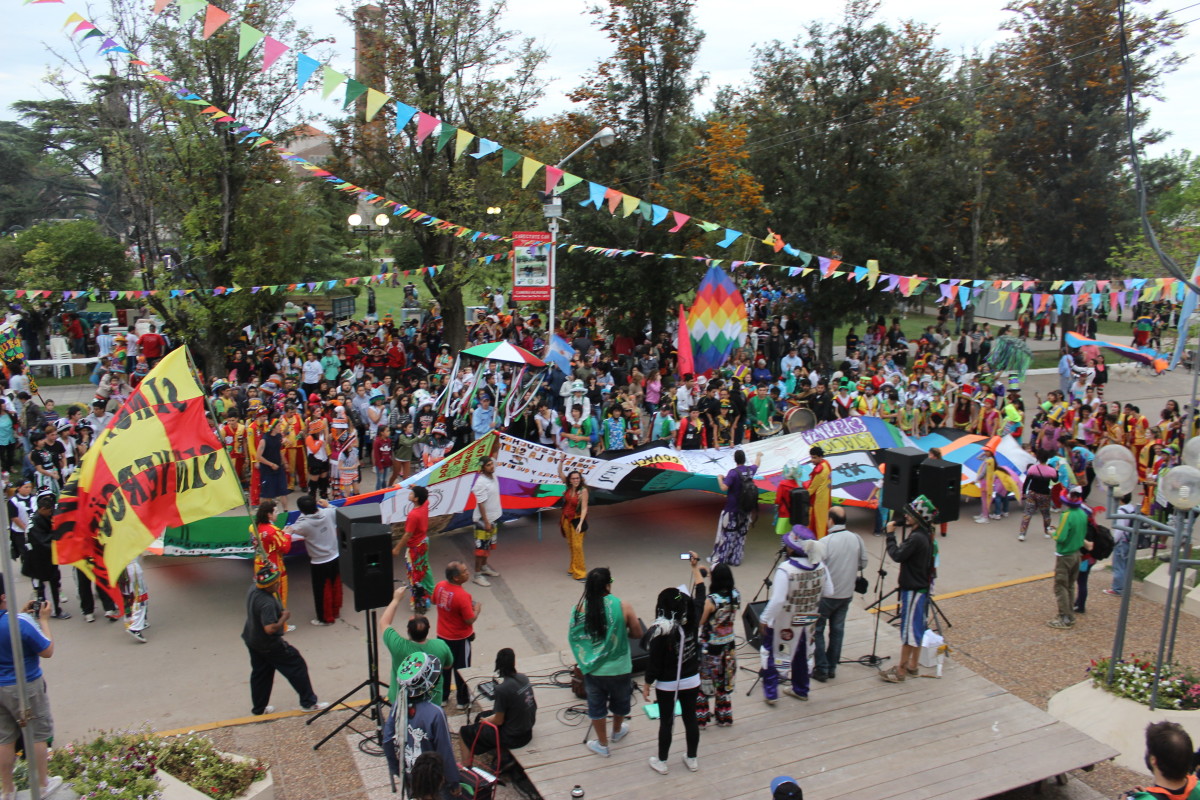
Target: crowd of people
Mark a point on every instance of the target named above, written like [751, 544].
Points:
[311, 409]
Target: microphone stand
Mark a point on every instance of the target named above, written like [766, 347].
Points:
[753, 638]
[872, 659]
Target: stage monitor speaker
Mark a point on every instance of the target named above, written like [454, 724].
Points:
[750, 619]
[365, 561]
[941, 482]
[350, 515]
[638, 653]
[900, 466]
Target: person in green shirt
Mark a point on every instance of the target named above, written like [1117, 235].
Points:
[1069, 540]
[761, 410]
[418, 641]
[330, 364]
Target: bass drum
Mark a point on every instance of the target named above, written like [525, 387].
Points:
[799, 419]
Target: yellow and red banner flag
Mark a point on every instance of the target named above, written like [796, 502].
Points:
[157, 464]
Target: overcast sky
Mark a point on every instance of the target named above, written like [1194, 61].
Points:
[733, 28]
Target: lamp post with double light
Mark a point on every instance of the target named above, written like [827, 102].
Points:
[380, 228]
[1116, 468]
[552, 211]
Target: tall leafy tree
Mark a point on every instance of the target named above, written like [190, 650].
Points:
[451, 59]
[225, 213]
[1056, 115]
[850, 153]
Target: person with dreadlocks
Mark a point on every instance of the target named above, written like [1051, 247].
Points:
[601, 627]
[789, 620]
[425, 726]
[673, 667]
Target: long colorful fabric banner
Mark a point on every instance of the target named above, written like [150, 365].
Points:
[158, 463]
[1142, 355]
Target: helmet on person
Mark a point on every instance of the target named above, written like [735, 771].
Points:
[418, 674]
[219, 384]
[923, 511]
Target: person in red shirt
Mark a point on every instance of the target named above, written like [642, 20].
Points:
[457, 612]
[152, 345]
[413, 536]
[395, 359]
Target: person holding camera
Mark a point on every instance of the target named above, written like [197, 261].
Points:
[915, 557]
[36, 644]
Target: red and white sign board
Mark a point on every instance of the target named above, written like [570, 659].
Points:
[531, 267]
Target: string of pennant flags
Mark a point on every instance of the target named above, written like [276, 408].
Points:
[1013, 294]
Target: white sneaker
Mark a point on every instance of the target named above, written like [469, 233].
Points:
[618, 735]
[982, 520]
[481, 580]
[658, 766]
[267, 710]
[291, 628]
[691, 763]
[314, 707]
[1021, 537]
[597, 748]
[52, 785]
[486, 569]
[318, 623]
[994, 516]
[89, 617]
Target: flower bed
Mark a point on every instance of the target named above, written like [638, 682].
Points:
[1133, 679]
[123, 766]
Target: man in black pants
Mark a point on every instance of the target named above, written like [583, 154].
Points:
[513, 713]
[266, 621]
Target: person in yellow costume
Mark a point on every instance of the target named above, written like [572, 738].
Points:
[820, 487]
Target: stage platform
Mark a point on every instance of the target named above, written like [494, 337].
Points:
[959, 737]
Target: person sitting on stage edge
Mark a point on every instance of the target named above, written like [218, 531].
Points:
[1170, 759]
[514, 711]
[915, 557]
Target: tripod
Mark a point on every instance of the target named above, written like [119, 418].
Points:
[374, 705]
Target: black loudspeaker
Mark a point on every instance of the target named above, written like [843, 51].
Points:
[798, 501]
[941, 482]
[638, 653]
[365, 561]
[900, 466]
[349, 515]
[750, 619]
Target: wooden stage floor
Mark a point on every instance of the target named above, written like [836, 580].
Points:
[958, 737]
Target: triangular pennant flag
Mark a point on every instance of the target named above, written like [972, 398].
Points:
[93, 32]
[508, 160]
[629, 204]
[657, 214]
[569, 181]
[273, 49]
[614, 199]
[85, 26]
[159, 5]
[596, 194]
[354, 90]
[680, 221]
[214, 18]
[529, 168]
[553, 176]
[445, 134]
[107, 44]
[404, 113]
[486, 148]
[731, 236]
[75, 17]
[462, 140]
[248, 36]
[426, 125]
[375, 101]
[306, 65]
[707, 227]
[330, 79]
[190, 8]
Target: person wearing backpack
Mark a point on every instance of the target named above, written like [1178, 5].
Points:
[741, 507]
[1100, 540]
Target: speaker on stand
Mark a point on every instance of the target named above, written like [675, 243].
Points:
[941, 482]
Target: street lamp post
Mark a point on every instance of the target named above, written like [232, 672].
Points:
[552, 211]
[1116, 468]
[355, 221]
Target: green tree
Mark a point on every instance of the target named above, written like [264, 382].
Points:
[1056, 114]
[453, 60]
[853, 157]
[1173, 183]
[37, 184]
[227, 213]
[63, 255]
